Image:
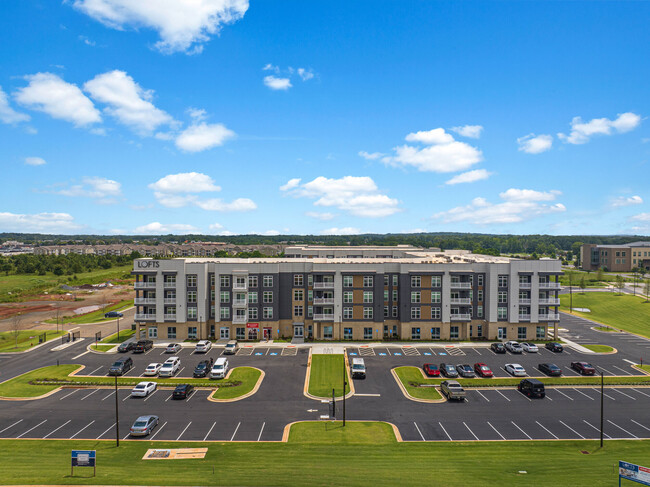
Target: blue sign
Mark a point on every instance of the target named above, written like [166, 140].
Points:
[397, 353]
[382, 353]
[633, 472]
[273, 353]
[259, 353]
[427, 353]
[353, 353]
[83, 458]
[442, 353]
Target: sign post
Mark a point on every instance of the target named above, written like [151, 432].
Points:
[633, 472]
[83, 458]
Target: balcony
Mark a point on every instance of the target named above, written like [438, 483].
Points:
[239, 319]
[240, 303]
[461, 285]
[145, 317]
[549, 285]
[461, 317]
[525, 285]
[524, 317]
[144, 301]
[549, 302]
[238, 286]
[169, 285]
[145, 285]
[466, 301]
[323, 300]
[170, 316]
[324, 285]
[549, 317]
[524, 300]
[170, 300]
[323, 317]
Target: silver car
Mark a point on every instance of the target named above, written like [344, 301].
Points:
[144, 425]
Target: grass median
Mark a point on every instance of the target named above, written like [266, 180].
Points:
[416, 385]
[599, 348]
[325, 454]
[26, 339]
[327, 373]
[41, 381]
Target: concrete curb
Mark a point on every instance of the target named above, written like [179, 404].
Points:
[248, 394]
[318, 398]
[287, 428]
[416, 399]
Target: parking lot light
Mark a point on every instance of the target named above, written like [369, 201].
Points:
[117, 417]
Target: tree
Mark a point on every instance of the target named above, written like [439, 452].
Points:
[599, 274]
[620, 283]
[583, 284]
[647, 289]
[15, 327]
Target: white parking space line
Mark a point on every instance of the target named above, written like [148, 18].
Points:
[57, 429]
[96, 370]
[580, 392]
[635, 422]
[179, 436]
[108, 396]
[621, 392]
[476, 437]
[477, 351]
[190, 396]
[515, 424]
[80, 355]
[546, 396]
[260, 435]
[82, 429]
[148, 352]
[496, 430]
[641, 392]
[629, 361]
[233, 435]
[209, 431]
[168, 398]
[559, 391]
[606, 395]
[420, 432]
[443, 429]
[127, 396]
[622, 429]
[70, 394]
[547, 430]
[88, 395]
[30, 429]
[112, 426]
[504, 396]
[14, 424]
[572, 429]
[159, 430]
[126, 435]
[604, 434]
[609, 372]
[481, 394]
[161, 353]
[151, 394]
[180, 371]
[622, 370]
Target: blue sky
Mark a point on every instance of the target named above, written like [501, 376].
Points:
[324, 117]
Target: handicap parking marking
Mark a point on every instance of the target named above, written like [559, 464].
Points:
[273, 353]
[382, 354]
[410, 351]
[366, 351]
[397, 353]
[259, 353]
[289, 351]
[442, 353]
[426, 353]
[245, 351]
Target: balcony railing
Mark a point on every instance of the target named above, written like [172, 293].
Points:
[549, 285]
[461, 317]
[461, 285]
[169, 316]
[524, 317]
[323, 317]
[549, 302]
[145, 285]
[143, 317]
[461, 301]
[240, 303]
[524, 300]
[169, 285]
[170, 300]
[549, 317]
[323, 300]
[239, 320]
[144, 301]
[525, 285]
[324, 285]
[239, 286]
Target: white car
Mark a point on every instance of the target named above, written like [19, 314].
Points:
[514, 347]
[516, 370]
[203, 346]
[529, 347]
[143, 389]
[152, 369]
[173, 348]
[170, 367]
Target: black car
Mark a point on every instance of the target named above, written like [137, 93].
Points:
[498, 348]
[121, 366]
[142, 346]
[550, 369]
[448, 370]
[203, 368]
[465, 370]
[126, 347]
[113, 314]
[554, 347]
[532, 388]
[182, 391]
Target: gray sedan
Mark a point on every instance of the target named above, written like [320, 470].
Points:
[144, 425]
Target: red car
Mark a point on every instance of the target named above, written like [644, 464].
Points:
[482, 370]
[431, 370]
[583, 368]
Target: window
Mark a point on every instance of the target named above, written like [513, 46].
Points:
[212, 311]
[212, 294]
[502, 313]
[386, 279]
[191, 296]
[225, 313]
[347, 281]
[503, 281]
[367, 313]
[367, 281]
[267, 281]
[415, 333]
[386, 295]
[394, 295]
[267, 297]
[310, 295]
[310, 311]
[191, 280]
[191, 332]
[415, 297]
[435, 333]
[152, 332]
[395, 280]
[347, 313]
[436, 281]
[252, 313]
[347, 296]
[503, 297]
[479, 311]
[502, 333]
[297, 310]
[416, 281]
[224, 297]
[453, 332]
[540, 333]
[327, 331]
[252, 297]
[211, 280]
[367, 296]
[252, 281]
[298, 295]
[367, 333]
[480, 295]
[436, 296]
[224, 281]
[386, 311]
[297, 280]
[267, 313]
[310, 280]
[240, 282]
[191, 313]
[415, 313]
[521, 332]
[240, 333]
[479, 279]
[170, 279]
[171, 332]
[435, 313]
[347, 333]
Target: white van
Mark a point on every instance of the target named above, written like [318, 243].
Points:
[231, 348]
[358, 368]
[170, 367]
[219, 369]
[203, 346]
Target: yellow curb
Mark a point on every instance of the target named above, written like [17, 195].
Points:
[111, 351]
[408, 396]
[287, 428]
[319, 398]
[614, 350]
[638, 367]
[248, 394]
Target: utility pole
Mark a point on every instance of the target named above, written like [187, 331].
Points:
[118, 330]
[602, 386]
[570, 292]
[344, 384]
[117, 417]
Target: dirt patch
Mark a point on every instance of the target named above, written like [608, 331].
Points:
[9, 311]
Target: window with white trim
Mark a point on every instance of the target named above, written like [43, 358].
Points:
[367, 296]
[267, 313]
[435, 313]
[347, 281]
[416, 281]
[224, 313]
[267, 297]
[367, 313]
[416, 297]
[347, 296]
[224, 281]
[415, 313]
[435, 333]
[297, 280]
[191, 280]
[252, 313]
[368, 281]
[224, 297]
[267, 281]
[347, 313]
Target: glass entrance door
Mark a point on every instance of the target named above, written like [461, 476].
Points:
[298, 331]
[224, 332]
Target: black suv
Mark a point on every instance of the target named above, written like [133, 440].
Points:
[498, 348]
[126, 347]
[121, 366]
[554, 347]
[142, 346]
[203, 369]
[532, 388]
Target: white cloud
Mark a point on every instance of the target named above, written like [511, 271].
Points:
[197, 114]
[48, 93]
[102, 189]
[341, 231]
[518, 205]
[216, 204]
[292, 183]
[471, 131]
[356, 195]
[187, 182]
[271, 233]
[581, 131]
[429, 137]
[157, 228]
[127, 101]
[183, 25]
[215, 226]
[370, 156]
[38, 223]
[535, 144]
[276, 83]
[305, 74]
[270, 67]
[626, 201]
[8, 114]
[35, 161]
[320, 216]
[202, 136]
[416, 230]
[469, 177]
[226, 233]
[86, 41]
[641, 217]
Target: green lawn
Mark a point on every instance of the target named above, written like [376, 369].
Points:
[124, 336]
[43, 380]
[599, 348]
[624, 312]
[102, 348]
[412, 379]
[327, 374]
[26, 339]
[326, 454]
[95, 316]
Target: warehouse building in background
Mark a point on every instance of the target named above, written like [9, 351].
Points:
[349, 293]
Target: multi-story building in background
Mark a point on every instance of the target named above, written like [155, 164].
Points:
[615, 258]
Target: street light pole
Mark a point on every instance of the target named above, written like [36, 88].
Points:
[118, 330]
[602, 385]
[117, 417]
[344, 384]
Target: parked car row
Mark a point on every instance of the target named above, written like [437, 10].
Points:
[482, 370]
[140, 346]
[515, 347]
[452, 390]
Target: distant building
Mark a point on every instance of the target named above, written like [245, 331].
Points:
[12, 247]
[615, 258]
[194, 249]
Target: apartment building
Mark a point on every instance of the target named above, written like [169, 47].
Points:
[382, 292]
[192, 249]
[615, 258]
